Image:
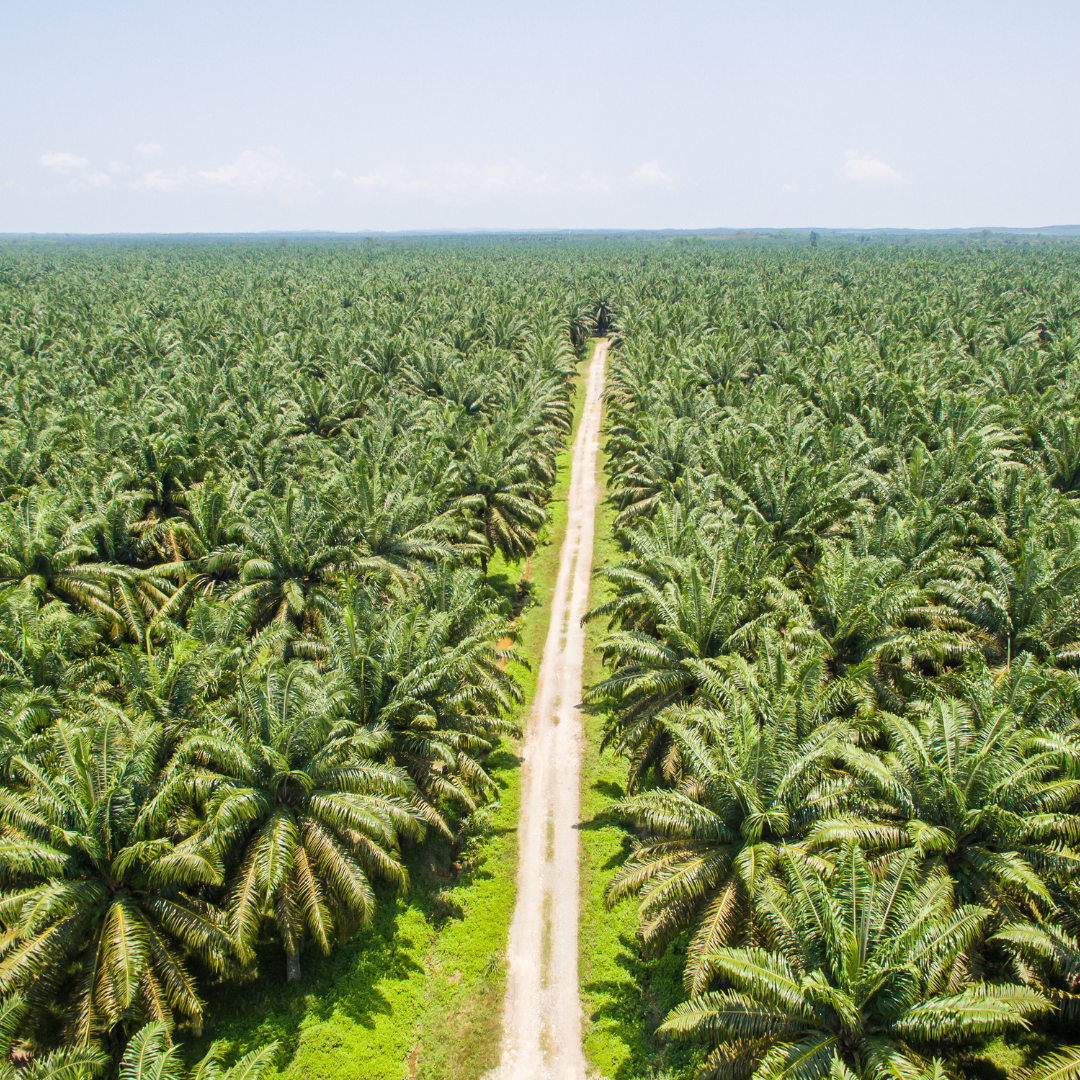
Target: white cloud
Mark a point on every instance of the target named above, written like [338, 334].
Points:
[79, 178]
[63, 161]
[593, 185]
[338, 174]
[254, 172]
[650, 175]
[790, 189]
[460, 178]
[157, 180]
[149, 149]
[864, 169]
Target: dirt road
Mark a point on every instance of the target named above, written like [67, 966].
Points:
[542, 1014]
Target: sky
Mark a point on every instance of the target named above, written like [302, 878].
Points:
[417, 115]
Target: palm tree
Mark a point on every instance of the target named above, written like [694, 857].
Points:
[682, 612]
[1063, 1064]
[292, 555]
[647, 465]
[879, 624]
[51, 556]
[100, 905]
[859, 977]
[67, 1063]
[201, 555]
[986, 799]
[41, 548]
[302, 810]
[150, 1056]
[436, 690]
[1024, 596]
[749, 792]
[493, 485]
[799, 501]
[394, 527]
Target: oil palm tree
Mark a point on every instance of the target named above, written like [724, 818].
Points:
[980, 795]
[862, 976]
[302, 810]
[1024, 596]
[880, 625]
[749, 792]
[101, 907]
[292, 553]
[439, 694]
[198, 545]
[681, 613]
[1063, 1064]
[47, 553]
[151, 1056]
[493, 484]
[394, 527]
[66, 1063]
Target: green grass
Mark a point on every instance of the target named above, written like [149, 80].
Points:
[624, 997]
[418, 995]
[1011, 1055]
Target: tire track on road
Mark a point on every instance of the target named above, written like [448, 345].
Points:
[542, 1012]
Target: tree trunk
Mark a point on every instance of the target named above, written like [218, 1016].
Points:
[483, 562]
[292, 966]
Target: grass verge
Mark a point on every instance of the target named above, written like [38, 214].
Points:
[624, 996]
[419, 993]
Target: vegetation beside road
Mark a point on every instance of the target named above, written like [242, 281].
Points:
[252, 673]
[265, 519]
[841, 655]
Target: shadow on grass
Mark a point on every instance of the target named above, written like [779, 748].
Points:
[516, 593]
[635, 1004]
[503, 585]
[610, 790]
[271, 1009]
[1010, 1055]
[603, 819]
[608, 819]
[350, 983]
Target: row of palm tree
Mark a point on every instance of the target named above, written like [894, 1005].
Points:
[248, 645]
[843, 649]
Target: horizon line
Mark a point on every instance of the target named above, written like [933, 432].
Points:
[1072, 230]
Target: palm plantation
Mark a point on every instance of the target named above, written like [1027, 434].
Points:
[308, 818]
[249, 655]
[252, 665]
[841, 634]
[862, 977]
[98, 906]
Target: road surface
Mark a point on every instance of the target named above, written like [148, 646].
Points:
[542, 1013]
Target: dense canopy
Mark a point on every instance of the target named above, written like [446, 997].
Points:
[257, 504]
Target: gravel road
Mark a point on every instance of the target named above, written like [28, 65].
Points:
[542, 1013]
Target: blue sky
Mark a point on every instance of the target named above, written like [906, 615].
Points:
[220, 117]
